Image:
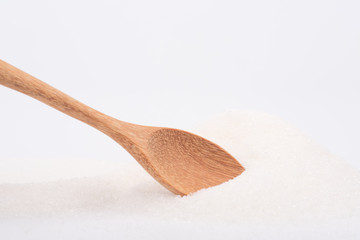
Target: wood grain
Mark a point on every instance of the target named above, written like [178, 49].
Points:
[181, 161]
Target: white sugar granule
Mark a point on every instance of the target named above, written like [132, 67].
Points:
[289, 179]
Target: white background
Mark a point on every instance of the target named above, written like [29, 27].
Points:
[177, 63]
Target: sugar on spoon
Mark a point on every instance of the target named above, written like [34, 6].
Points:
[181, 161]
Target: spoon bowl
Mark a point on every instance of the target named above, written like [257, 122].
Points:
[188, 162]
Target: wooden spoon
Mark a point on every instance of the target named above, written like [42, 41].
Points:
[181, 161]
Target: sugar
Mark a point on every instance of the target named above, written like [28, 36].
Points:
[288, 175]
[289, 179]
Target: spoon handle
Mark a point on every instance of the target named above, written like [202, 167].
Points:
[18, 80]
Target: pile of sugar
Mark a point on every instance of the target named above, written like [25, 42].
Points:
[289, 178]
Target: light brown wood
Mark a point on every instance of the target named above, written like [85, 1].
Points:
[181, 161]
